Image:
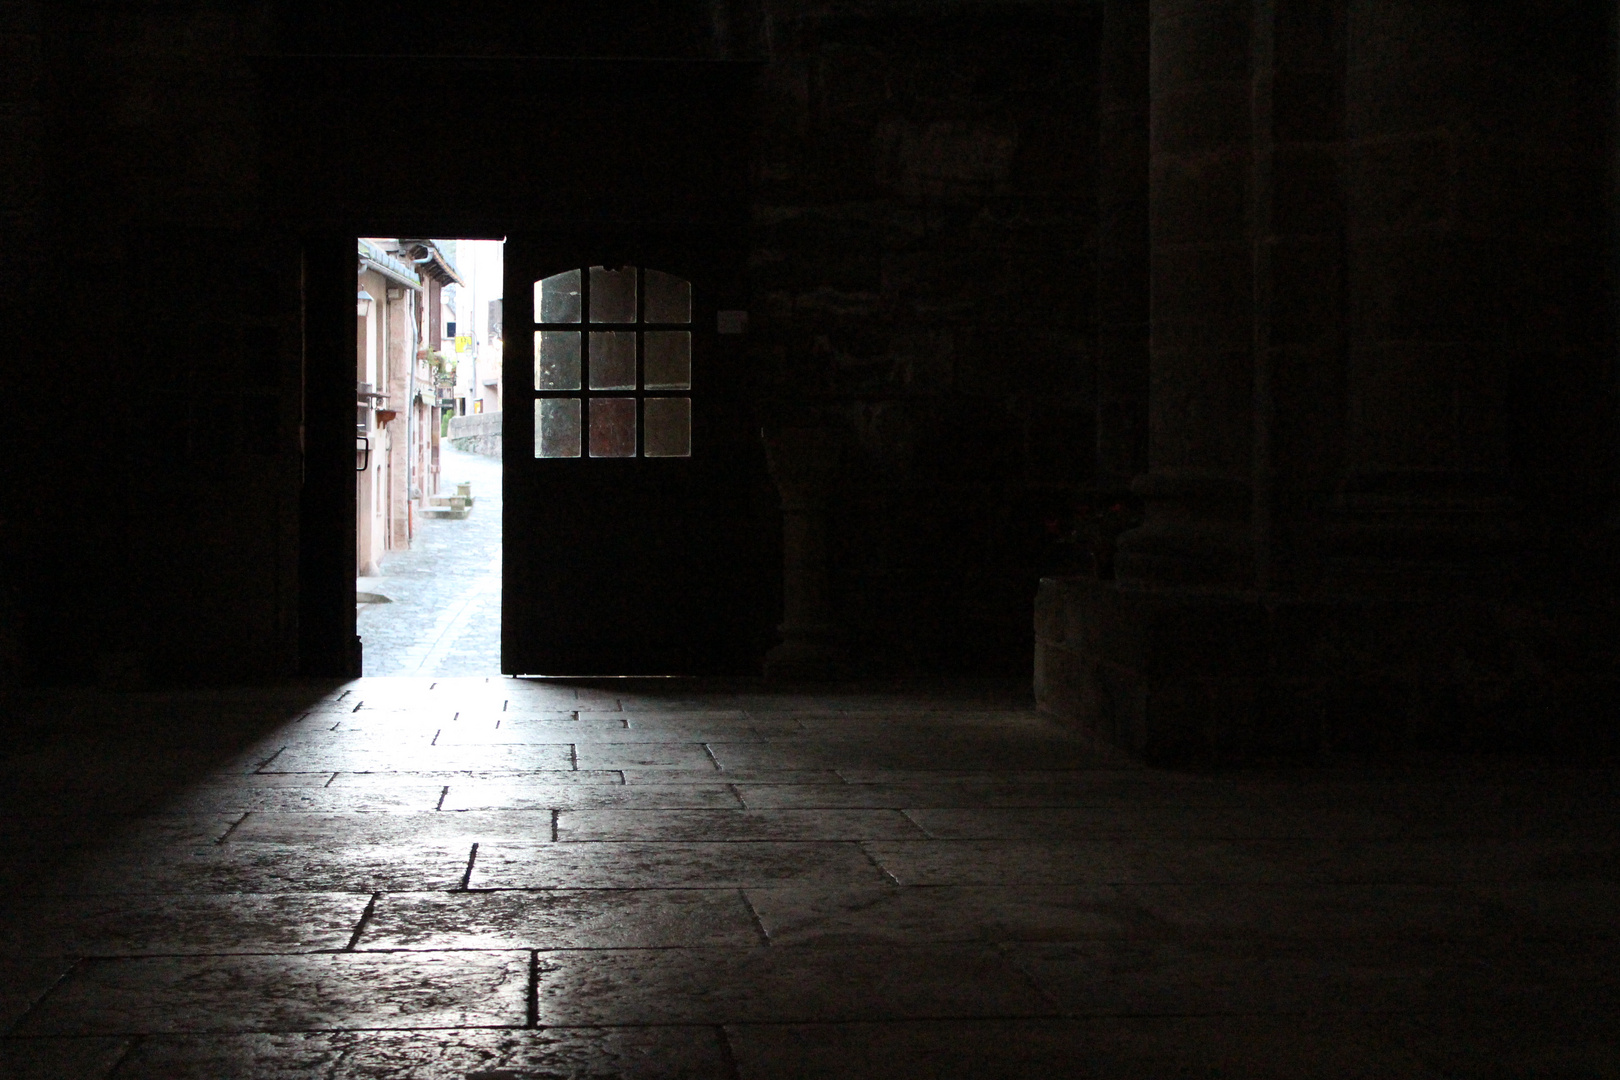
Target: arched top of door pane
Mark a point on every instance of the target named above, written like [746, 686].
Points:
[669, 298]
[613, 294]
[666, 299]
[557, 298]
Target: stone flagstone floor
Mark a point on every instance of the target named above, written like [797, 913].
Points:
[481, 878]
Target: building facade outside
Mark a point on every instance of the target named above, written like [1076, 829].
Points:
[476, 425]
[476, 343]
[400, 314]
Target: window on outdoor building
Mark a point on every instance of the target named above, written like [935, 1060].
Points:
[613, 364]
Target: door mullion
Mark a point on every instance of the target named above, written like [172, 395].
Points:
[641, 360]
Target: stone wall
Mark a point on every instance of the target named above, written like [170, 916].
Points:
[1212, 676]
[1381, 424]
[1368, 238]
[923, 273]
[22, 221]
[477, 433]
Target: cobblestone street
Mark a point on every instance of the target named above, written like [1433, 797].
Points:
[444, 617]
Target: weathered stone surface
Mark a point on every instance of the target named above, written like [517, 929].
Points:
[519, 794]
[401, 830]
[1072, 862]
[699, 825]
[703, 727]
[25, 980]
[286, 993]
[784, 775]
[541, 732]
[78, 831]
[820, 915]
[293, 1056]
[155, 924]
[664, 1053]
[402, 795]
[53, 1059]
[1250, 977]
[780, 985]
[1182, 861]
[1054, 751]
[383, 782]
[667, 865]
[1120, 797]
[1135, 1048]
[1058, 823]
[560, 919]
[423, 758]
[1107, 919]
[671, 1053]
[259, 868]
[652, 755]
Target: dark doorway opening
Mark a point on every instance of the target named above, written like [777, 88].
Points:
[591, 162]
[428, 447]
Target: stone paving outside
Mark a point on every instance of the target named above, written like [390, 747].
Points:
[445, 614]
[455, 878]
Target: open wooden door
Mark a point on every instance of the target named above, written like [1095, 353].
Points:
[633, 466]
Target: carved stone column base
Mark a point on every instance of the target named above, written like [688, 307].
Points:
[807, 653]
[1196, 532]
[1174, 675]
[803, 462]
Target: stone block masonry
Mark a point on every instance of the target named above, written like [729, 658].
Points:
[1174, 676]
[478, 433]
[922, 283]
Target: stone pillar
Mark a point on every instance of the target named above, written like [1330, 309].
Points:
[803, 463]
[1299, 399]
[1376, 304]
[1122, 245]
[1200, 415]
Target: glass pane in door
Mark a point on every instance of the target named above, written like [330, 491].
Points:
[669, 298]
[669, 360]
[556, 428]
[613, 294]
[613, 360]
[556, 298]
[669, 427]
[613, 427]
[556, 359]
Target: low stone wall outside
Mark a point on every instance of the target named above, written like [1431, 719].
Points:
[479, 433]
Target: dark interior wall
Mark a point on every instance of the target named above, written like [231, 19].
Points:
[922, 278]
[706, 29]
[924, 224]
[171, 444]
[1480, 346]
[22, 225]
[924, 275]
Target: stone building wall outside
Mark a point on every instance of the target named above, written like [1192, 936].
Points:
[477, 433]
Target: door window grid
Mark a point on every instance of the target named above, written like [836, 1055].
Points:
[612, 351]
